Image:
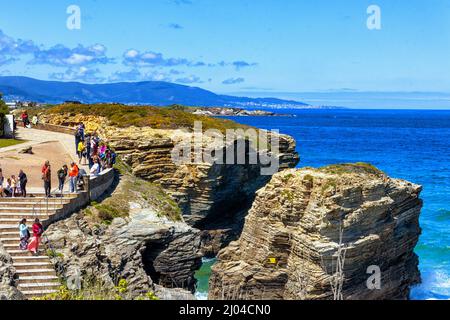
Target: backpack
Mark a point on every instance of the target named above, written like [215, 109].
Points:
[61, 174]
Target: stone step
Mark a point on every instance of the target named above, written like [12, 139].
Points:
[7, 241]
[39, 286]
[31, 204]
[9, 229]
[28, 266]
[11, 221]
[36, 272]
[19, 253]
[14, 214]
[9, 234]
[37, 278]
[12, 245]
[66, 197]
[33, 293]
[20, 259]
[37, 209]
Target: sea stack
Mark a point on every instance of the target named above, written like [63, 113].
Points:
[339, 232]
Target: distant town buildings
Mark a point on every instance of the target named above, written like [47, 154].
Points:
[13, 105]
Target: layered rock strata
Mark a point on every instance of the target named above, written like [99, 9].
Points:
[340, 232]
[213, 197]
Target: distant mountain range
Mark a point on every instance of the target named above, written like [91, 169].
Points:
[156, 93]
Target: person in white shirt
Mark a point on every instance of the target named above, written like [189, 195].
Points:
[94, 170]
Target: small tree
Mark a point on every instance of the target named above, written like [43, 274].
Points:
[4, 110]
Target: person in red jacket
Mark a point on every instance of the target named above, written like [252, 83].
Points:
[38, 230]
[47, 177]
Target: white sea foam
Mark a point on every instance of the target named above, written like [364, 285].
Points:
[201, 295]
[435, 286]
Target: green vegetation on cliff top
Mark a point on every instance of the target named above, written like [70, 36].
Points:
[171, 117]
[133, 189]
[359, 167]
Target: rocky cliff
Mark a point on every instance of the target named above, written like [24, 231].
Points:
[213, 197]
[8, 278]
[340, 232]
[141, 245]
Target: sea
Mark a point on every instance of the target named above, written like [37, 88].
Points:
[407, 144]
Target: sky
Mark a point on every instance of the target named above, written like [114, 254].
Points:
[239, 46]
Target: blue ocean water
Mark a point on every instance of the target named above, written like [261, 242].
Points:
[408, 144]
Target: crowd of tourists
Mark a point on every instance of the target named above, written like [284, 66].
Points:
[91, 151]
[14, 186]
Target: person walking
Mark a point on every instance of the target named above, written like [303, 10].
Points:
[87, 144]
[24, 234]
[23, 180]
[25, 119]
[38, 230]
[73, 177]
[79, 135]
[81, 151]
[47, 177]
[62, 175]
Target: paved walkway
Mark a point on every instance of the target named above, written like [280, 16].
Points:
[58, 148]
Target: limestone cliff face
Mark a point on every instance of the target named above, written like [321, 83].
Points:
[149, 253]
[303, 220]
[214, 198]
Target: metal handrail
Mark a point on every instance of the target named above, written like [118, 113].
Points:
[45, 202]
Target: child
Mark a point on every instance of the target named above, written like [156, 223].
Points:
[13, 185]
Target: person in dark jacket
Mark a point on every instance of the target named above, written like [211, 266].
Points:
[62, 175]
[23, 180]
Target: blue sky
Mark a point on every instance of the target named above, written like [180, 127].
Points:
[264, 46]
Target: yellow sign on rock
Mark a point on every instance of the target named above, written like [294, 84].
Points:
[273, 260]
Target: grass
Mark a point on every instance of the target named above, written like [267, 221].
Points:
[133, 189]
[9, 142]
[96, 290]
[359, 167]
[122, 116]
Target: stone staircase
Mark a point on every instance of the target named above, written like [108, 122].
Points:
[37, 276]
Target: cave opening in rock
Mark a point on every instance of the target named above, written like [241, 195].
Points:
[149, 256]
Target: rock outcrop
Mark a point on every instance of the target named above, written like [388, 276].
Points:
[306, 221]
[8, 278]
[143, 250]
[213, 197]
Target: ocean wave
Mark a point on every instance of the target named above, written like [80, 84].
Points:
[435, 286]
[201, 295]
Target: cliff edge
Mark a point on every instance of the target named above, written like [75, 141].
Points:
[339, 232]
